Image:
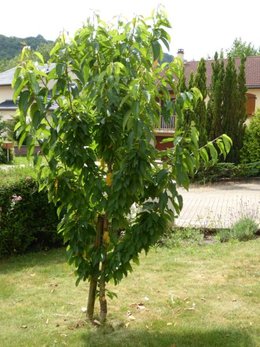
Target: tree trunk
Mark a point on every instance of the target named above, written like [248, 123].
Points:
[93, 280]
[102, 297]
[102, 282]
[91, 298]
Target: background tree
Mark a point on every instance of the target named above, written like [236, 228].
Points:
[250, 152]
[226, 109]
[100, 166]
[234, 106]
[200, 109]
[241, 114]
[215, 103]
[242, 49]
[11, 47]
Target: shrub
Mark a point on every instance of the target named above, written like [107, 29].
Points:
[250, 151]
[224, 235]
[245, 229]
[216, 172]
[222, 171]
[27, 220]
[248, 170]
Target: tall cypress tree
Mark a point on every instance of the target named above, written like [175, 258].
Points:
[215, 105]
[188, 114]
[241, 109]
[200, 81]
[226, 111]
[231, 102]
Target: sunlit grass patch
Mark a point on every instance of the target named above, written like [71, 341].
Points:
[200, 295]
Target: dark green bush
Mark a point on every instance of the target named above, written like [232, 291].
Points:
[244, 229]
[248, 170]
[27, 221]
[250, 151]
[222, 171]
[216, 172]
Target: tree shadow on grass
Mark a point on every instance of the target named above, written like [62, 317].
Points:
[43, 258]
[186, 338]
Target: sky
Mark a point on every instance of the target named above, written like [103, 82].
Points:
[200, 27]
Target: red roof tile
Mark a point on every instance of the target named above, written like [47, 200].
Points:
[252, 70]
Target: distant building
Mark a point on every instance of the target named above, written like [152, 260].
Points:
[164, 130]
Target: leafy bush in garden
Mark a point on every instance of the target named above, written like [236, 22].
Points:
[250, 151]
[27, 220]
[243, 230]
[221, 171]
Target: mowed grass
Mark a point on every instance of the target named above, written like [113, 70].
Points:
[205, 295]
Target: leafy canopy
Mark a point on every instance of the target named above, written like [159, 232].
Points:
[93, 112]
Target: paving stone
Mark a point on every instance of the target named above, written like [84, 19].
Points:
[220, 205]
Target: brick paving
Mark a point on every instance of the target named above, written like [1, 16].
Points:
[220, 205]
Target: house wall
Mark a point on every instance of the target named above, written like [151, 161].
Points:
[256, 92]
[7, 114]
[6, 93]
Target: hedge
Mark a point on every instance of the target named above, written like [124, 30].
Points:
[250, 151]
[222, 171]
[27, 220]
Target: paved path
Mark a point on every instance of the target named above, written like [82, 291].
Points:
[220, 205]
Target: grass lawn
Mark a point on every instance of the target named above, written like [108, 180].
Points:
[22, 161]
[205, 295]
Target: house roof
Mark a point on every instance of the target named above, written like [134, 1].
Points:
[252, 70]
[6, 77]
[8, 105]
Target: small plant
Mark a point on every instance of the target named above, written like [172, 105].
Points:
[182, 237]
[244, 229]
[224, 235]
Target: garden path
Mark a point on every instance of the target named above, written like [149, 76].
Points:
[219, 205]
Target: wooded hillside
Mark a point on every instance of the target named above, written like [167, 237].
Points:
[10, 47]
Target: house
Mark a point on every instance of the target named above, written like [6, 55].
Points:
[164, 130]
[7, 106]
[252, 74]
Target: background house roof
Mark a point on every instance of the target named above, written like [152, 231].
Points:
[6, 77]
[252, 70]
[8, 105]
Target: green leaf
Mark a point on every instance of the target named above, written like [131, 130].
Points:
[34, 83]
[227, 142]
[221, 147]
[204, 155]
[60, 69]
[126, 119]
[18, 86]
[157, 50]
[23, 102]
[213, 152]
[39, 56]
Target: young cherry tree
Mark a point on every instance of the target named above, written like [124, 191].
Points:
[93, 112]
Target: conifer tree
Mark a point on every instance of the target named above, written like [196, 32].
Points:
[226, 111]
[215, 104]
[200, 81]
[241, 109]
[231, 113]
